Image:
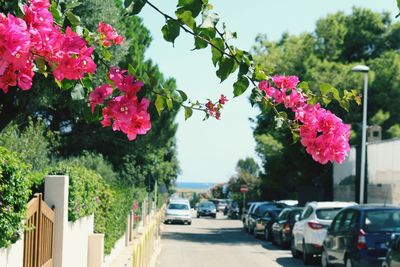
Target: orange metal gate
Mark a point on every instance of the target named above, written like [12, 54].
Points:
[38, 235]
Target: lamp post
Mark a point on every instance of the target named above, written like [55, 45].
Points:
[363, 69]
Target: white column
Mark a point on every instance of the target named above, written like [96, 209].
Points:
[56, 194]
[96, 250]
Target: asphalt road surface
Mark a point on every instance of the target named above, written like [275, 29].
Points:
[218, 242]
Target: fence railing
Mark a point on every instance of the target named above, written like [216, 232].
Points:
[144, 247]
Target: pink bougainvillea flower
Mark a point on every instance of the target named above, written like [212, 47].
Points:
[99, 94]
[222, 100]
[286, 82]
[108, 35]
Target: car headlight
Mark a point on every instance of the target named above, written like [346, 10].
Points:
[214, 210]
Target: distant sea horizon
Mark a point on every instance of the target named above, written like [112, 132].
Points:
[194, 185]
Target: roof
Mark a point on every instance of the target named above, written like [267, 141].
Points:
[331, 204]
[374, 206]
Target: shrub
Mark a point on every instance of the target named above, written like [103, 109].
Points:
[116, 216]
[85, 188]
[14, 195]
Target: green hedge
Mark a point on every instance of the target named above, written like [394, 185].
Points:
[14, 195]
[117, 212]
[86, 188]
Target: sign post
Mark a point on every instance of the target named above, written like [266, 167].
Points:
[244, 189]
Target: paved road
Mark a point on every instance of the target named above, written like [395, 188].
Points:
[218, 243]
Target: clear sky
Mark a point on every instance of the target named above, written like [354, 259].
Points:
[208, 151]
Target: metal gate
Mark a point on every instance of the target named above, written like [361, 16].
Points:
[38, 235]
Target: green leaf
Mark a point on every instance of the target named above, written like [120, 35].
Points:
[295, 136]
[41, 65]
[194, 6]
[127, 3]
[304, 86]
[328, 91]
[344, 104]
[160, 104]
[188, 113]
[171, 30]
[240, 86]
[78, 93]
[187, 18]
[259, 74]
[202, 35]
[169, 103]
[131, 70]
[55, 12]
[183, 95]
[73, 4]
[398, 6]
[216, 54]
[87, 82]
[59, 83]
[106, 54]
[73, 19]
[137, 6]
[226, 67]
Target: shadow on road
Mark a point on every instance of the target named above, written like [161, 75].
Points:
[228, 236]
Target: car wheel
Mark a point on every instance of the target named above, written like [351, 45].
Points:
[385, 264]
[198, 216]
[325, 259]
[255, 232]
[307, 258]
[189, 223]
[214, 216]
[267, 236]
[293, 249]
[348, 263]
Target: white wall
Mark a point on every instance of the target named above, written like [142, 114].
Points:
[76, 242]
[12, 256]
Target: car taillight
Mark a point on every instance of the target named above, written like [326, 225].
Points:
[315, 225]
[286, 228]
[361, 240]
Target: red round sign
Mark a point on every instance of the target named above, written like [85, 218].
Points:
[244, 189]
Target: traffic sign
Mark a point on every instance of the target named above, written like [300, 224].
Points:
[244, 189]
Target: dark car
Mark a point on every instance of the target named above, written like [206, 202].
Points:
[358, 235]
[393, 255]
[206, 208]
[233, 210]
[261, 220]
[282, 228]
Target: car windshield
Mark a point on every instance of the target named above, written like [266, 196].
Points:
[327, 214]
[222, 202]
[207, 205]
[178, 206]
[382, 220]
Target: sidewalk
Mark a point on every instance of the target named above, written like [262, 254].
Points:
[124, 259]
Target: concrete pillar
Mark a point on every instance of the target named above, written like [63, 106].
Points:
[96, 250]
[56, 194]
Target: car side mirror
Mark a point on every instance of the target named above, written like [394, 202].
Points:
[297, 218]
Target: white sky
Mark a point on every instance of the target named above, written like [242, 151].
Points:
[208, 151]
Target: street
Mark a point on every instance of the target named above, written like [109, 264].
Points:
[218, 242]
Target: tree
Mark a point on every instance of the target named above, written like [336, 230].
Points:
[247, 173]
[326, 57]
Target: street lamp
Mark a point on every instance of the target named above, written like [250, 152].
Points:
[363, 69]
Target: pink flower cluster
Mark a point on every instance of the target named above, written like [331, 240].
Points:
[324, 135]
[213, 109]
[108, 35]
[36, 37]
[124, 112]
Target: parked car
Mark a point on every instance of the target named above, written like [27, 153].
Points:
[249, 210]
[233, 210]
[206, 208]
[282, 228]
[264, 216]
[289, 203]
[359, 235]
[221, 204]
[393, 256]
[309, 232]
[178, 211]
